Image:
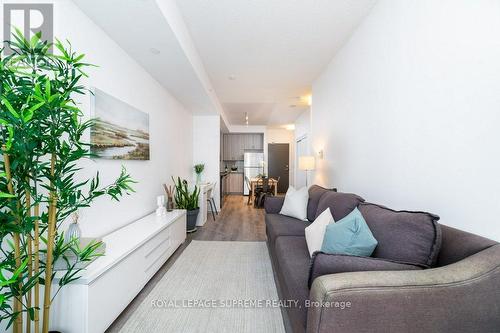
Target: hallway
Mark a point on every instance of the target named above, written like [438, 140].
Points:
[237, 221]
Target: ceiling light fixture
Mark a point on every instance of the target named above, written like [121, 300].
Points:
[246, 118]
[154, 51]
[309, 100]
[232, 77]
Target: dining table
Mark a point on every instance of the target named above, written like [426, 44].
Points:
[254, 182]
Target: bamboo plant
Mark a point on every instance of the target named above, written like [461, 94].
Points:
[41, 133]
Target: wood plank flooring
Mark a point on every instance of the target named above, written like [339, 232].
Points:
[236, 222]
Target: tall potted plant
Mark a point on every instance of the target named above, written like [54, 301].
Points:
[185, 199]
[41, 133]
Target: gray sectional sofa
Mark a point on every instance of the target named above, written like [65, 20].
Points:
[422, 277]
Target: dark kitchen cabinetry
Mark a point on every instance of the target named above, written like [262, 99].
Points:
[235, 144]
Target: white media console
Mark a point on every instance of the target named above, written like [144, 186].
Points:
[133, 255]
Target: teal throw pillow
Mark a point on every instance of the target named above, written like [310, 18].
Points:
[350, 236]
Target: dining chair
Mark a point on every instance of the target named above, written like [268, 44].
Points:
[211, 201]
[261, 193]
[275, 185]
[249, 185]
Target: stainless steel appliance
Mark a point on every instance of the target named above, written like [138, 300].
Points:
[253, 165]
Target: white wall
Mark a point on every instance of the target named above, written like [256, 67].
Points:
[303, 124]
[303, 133]
[281, 135]
[170, 124]
[206, 149]
[408, 112]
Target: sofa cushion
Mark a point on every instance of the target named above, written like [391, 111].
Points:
[340, 204]
[281, 225]
[315, 194]
[323, 264]
[293, 259]
[403, 236]
[273, 205]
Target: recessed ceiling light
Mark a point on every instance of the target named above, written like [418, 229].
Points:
[154, 51]
[232, 77]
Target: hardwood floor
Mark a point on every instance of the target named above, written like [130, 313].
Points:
[236, 222]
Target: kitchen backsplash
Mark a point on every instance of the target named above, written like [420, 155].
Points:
[229, 164]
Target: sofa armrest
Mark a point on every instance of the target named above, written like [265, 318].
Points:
[461, 297]
[324, 264]
[273, 205]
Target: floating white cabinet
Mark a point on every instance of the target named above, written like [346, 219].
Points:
[134, 254]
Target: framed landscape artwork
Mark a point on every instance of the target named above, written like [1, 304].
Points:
[120, 131]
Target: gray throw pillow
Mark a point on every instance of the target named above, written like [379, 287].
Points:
[403, 236]
[340, 204]
[315, 194]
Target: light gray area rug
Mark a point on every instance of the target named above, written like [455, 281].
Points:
[213, 287]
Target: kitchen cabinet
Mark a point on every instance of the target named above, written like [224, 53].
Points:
[248, 139]
[257, 141]
[235, 183]
[236, 151]
[226, 149]
[235, 144]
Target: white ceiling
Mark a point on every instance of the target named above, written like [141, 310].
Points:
[274, 49]
[138, 26]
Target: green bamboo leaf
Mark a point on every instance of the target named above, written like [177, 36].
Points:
[9, 107]
[27, 115]
[80, 57]
[35, 39]
[20, 269]
[47, 90]
[36, 107]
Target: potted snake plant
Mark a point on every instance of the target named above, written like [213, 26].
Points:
[185, 199]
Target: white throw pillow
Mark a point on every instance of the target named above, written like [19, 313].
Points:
[295, 204]
[316, 231]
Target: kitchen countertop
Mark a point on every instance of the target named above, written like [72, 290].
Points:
[229, 172]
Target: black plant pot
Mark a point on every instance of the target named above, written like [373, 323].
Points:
[192, 215]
